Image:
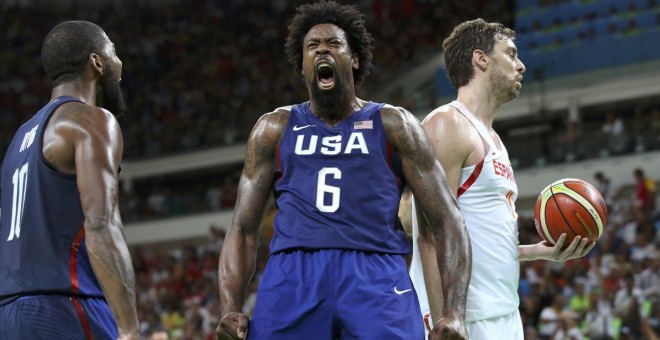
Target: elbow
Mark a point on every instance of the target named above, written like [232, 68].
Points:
[101, 233]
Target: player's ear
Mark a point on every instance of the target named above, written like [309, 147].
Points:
[355, 60]
[480, 59]
[96, 62]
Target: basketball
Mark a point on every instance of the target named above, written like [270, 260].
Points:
[570, 206]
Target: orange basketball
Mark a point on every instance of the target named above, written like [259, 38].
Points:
[570, 206]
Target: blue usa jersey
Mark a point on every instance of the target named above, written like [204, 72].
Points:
[42, 239]
[337, 187]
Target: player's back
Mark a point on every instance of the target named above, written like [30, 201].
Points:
[337, 187]
[42, 239]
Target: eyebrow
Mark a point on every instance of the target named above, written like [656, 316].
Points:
[315, 39]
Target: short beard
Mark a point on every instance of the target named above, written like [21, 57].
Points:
[328, 98]
[112, 97]
[504, 92]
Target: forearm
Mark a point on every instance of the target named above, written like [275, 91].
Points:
[111, 262]
[527, 253]
[454, 255]
[432, 279]
[445, 228]
[235, 269]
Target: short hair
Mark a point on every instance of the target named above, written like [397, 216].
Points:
[66, 48]
[346, 17]
[464, 40]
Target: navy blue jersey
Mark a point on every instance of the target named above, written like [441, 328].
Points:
[337, 187]
[42, 239]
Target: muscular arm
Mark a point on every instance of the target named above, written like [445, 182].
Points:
[98, 147]
[238, 257]
[432, 279]
[448, 235]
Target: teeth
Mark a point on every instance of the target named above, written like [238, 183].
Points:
[324, 65]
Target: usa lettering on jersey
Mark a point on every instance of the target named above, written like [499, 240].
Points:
[331, 145]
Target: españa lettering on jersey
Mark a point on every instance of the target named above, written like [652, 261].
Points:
[42, 244]
[337, 187]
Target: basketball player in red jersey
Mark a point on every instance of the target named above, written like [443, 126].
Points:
[482, 63]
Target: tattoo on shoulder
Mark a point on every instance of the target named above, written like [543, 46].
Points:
[406, 134]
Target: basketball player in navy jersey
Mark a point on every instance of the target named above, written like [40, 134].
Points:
[65, 270]
[336, 165]
[482, 63]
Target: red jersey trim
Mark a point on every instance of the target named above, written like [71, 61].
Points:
[83, 318]
[73, 260]
[473, 178]
[75, 285]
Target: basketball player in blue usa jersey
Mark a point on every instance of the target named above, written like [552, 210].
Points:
[336, 165]
[65, 270]
[482, 63]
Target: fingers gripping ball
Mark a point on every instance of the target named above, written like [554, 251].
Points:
[570, 206]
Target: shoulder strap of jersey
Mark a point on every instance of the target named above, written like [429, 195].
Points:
[481, 129]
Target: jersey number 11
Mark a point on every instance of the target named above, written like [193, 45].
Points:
[18, 202]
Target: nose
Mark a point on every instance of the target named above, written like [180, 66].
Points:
[322, 49]
[521, 67]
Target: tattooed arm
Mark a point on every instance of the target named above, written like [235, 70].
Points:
[238, 257]
[87, 141]
[448, 234]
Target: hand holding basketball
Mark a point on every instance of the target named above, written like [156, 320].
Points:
[572, 207]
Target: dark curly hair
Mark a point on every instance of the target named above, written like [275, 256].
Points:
[464, 39]
[346, 17]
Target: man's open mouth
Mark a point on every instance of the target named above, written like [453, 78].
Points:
[325, 74]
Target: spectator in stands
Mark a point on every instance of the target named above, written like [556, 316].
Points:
[551, 317]
[645, 192]
[567, 142]
[579, 302]
[568, 327]
[655, 128]
[614, 131]
[639, 128]
[228, 192]
[213, 196]
[599, 318]
[604, 185]
[157, 201]
[649, 276]
[159, 334]
[627, 302]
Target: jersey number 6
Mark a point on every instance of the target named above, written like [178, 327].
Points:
[322, 189]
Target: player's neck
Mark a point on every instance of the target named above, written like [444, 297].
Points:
[480, 102]
[332, 115]
[83, 91]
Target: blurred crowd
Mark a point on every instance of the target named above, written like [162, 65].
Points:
[198, 74]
